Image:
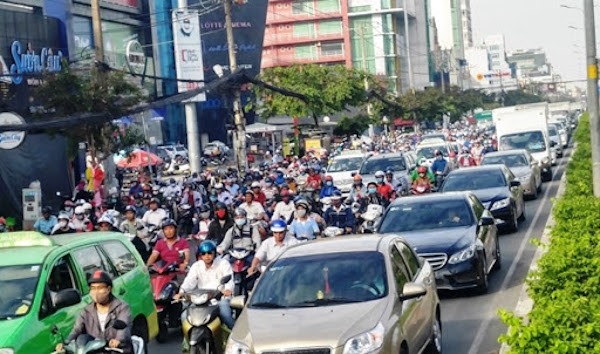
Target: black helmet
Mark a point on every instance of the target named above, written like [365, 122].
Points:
[155, 200]
[221, 205]
[168, 222]
[204, 208]
[47, 210]
[130, 208]
[100, 276]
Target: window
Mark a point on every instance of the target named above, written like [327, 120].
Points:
[399, 269]
[328, 6]
[328, 49]
[304, 30]
[304, 52]
[120, 257]
[330, 27]
[303, 8]
[62, 276]
[410, 258]
[89, 259]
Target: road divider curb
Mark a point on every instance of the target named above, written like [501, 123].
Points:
[525, 303]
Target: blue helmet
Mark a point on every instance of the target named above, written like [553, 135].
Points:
[207, 247]
[278, 226]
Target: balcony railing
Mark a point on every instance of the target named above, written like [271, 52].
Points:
[289, 38]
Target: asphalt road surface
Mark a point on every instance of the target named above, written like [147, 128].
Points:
[470, 322]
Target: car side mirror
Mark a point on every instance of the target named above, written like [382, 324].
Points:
[412, 291]
[486, 221]
[66, 298]
[515, 183]
[238, 302]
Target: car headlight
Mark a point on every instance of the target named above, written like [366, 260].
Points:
[7, 351]
[500, 203]
[365, 342]
[234, 347]
[463, 255]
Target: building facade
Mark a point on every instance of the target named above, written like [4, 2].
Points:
[531, 65]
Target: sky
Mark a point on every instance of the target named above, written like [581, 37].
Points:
[537, 24]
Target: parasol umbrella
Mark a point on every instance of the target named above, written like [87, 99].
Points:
[139, 158]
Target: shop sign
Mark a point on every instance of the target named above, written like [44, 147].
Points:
[188, 51]
[27, 61]
[136, 59]
[11, 139]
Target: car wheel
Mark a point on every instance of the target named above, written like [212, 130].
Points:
[483, 285]
[498, 260]
[435, 343]
[547, 177]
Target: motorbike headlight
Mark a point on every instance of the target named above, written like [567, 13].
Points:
[500, 203]
[545, 160]
[166, 293]
[7, 351]
[199, 299]
[524, 178]
[365, 342]
[463, 255]
[234, 347]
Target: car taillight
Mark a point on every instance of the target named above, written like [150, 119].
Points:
[238, 266]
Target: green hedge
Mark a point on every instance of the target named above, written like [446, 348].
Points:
[566, 286]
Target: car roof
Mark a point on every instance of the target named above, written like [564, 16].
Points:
[386, 155]
[31, 247]
[476, 169]
[506, 152]
[432, 196]
[350, 243]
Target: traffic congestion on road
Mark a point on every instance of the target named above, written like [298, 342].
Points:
[403, 242]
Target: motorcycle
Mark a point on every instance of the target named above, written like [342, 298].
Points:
[371, 218]
[85, 344]
[202, 325]
[185, 220]
[163, 278]
[333, 231]
[420, 189]
[241, 263]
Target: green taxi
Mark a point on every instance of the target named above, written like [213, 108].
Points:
[43, 286]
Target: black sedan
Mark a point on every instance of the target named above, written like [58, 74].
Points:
[496, 187]
[453, 232]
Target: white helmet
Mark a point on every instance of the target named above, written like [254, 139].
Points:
[79, 210]
[87, 206]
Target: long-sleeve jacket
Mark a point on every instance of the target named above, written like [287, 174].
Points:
[342, 218]
[216, 232]
[247, 237]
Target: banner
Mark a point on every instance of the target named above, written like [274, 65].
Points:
[188, 51]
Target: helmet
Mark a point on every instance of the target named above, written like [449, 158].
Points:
[249, 191]
[69, 203]
[422, 169]
[221, 205]
[255, 185]
[154, 200]
[278, 226]
[130, 208]
[100, 276]
[168, 222]
[219, 186]
[79, 210]
[389, 170]
[329, 178]
[105, 219]
[207, 246]
[240, 212]
[87, 206]
[63, 215]
[303, 203]
[268, 180]
[437, 153]
[204, 208]
[336, 195]
[379, 174]
[357, 178]
[47, 209]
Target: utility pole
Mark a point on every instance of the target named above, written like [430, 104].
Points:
[191, 122]
[238, 113]
[363, 52]
[97, 27]
[592, 91]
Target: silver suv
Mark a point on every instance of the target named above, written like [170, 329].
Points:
[400, 163]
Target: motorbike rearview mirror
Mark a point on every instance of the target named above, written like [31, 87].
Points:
[226, 279]
[515, 183]
[118, 324]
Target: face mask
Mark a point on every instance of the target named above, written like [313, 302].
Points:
[240, 222]
[62, 223]
[80, 216]
[301, 213]
[379, 179]
[205, 215]
[372, 190]
[221, 214]
[329, 183]
[213, 198]
[67, 208]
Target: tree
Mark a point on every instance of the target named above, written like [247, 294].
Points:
[352, 125]
[328, 90]
[93, 91]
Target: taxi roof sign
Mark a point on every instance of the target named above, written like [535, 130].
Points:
[24, 239]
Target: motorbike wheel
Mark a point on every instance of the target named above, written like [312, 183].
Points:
[204, 346]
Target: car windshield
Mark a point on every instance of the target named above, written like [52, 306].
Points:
[17, 286]
[419, 215]
[371, 166]
[427, 152]
[345, 164]
[456, 182]
[516, 160]
[322, 280]
[530, 141]
[552, 130]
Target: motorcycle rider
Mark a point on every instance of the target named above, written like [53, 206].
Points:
[254, 210]
[204, 221]
[223, 195]
[241, 235]
[273, 246]
[328, 188]
[218, 228]
[269, 189]
[134, 226]
[359, 190]
[259, 195]
[465, 159]
[285, 208]
[422, 179]
[190, 197]
[372, 197]
[80, 222]
[172, 190]
[46, 223]
[304, 227]
[64, 226]
[440, 167]
[206, 274]
[339, 215]
[154, 215]
[168, 248]
[106, 223]
[383, 188]
[96, 319]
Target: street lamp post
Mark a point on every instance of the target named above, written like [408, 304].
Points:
[385, 120]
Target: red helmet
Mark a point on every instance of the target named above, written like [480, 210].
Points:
[329, 178]
[422, 169]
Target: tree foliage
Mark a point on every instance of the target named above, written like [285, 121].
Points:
[328, 90]
[75, 92]
[352, 125]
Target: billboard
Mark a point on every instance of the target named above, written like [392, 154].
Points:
[188, 51]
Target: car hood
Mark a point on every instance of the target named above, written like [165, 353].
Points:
[446, 240]
[11, 326]
[255, 327]
[491, 194]
[344, 177]
[521, 171]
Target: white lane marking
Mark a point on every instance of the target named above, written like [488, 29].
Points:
[481, 332]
